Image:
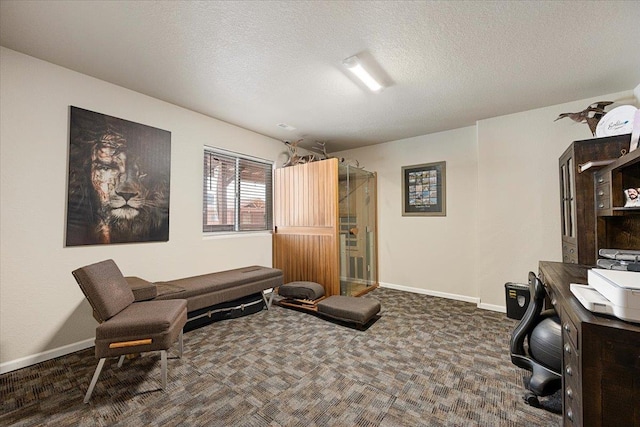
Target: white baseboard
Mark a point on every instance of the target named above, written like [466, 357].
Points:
[447, 295]
[23, 362]
[493, 307]
[431, 293]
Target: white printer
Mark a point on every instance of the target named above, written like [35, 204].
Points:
[613, 292]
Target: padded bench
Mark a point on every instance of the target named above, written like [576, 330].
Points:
[209, 290]
[307, 291]
[349, 309]
[310, 296]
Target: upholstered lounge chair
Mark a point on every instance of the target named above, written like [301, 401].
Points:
[127, 327]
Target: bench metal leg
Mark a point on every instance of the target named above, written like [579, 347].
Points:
[94, 380]
[268, 303]
[163, 354]
[120, 361]
[180, 344]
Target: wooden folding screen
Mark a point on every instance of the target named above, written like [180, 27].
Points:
[306, 245]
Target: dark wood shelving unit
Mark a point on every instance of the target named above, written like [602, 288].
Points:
[601, 354]
[577, 196]
[617, 227]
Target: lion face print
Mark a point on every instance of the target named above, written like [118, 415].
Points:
[118, 195]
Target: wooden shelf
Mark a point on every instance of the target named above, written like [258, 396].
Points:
[628, 209]
[625, 161]
[617, 227]
[594, 164]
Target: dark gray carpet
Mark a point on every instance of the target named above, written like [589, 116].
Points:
[425, 362]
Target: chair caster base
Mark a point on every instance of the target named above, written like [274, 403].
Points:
[531, 400]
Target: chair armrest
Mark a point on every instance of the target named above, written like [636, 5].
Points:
[142, 289]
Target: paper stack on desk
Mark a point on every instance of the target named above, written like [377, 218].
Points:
[619, 259]
[611, 292]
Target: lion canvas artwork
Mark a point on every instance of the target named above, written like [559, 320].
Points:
[118, 181]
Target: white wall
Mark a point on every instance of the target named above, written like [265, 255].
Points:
[519, 191]
[42, 310]
[434, 254]
[503, 209]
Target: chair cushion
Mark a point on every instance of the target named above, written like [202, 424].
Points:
[105, 287]
[301, 290]
[160, 321]
[350, 309]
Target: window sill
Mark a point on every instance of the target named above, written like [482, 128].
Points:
[234, 234]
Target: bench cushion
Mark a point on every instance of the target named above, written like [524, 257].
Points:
[302, 290]
[349, 309]
[166, 289]
[206, 283]
[142, 289]
[214, 288]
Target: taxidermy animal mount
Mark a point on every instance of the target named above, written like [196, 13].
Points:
[322, 145]
[295, 158]
[590, 115]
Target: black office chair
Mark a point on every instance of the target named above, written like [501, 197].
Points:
[543, 353]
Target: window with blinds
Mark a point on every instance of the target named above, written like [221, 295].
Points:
[237, 192]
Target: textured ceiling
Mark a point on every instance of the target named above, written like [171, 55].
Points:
[257, 64]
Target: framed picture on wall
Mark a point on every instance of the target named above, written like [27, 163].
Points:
[424, 190]
[118, 187]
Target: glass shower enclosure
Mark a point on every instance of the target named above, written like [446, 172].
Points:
[357, 216]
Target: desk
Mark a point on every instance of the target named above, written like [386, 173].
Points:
[601, 356]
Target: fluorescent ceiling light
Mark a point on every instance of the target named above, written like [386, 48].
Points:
[354, 65]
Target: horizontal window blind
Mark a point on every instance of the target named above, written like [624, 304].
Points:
[237, 193]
